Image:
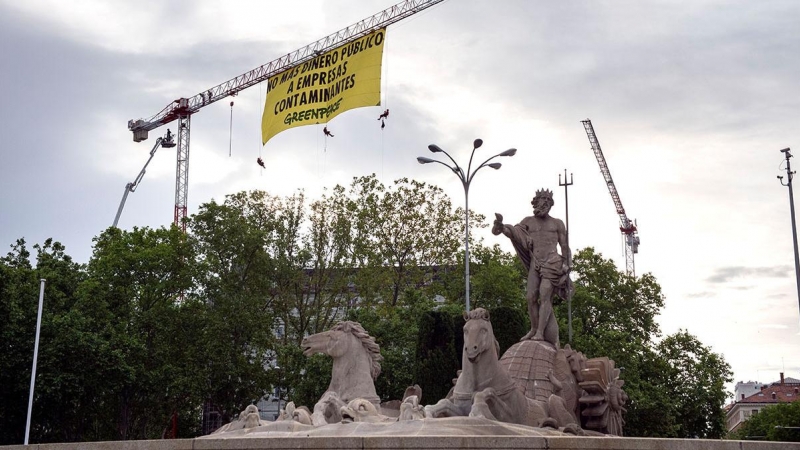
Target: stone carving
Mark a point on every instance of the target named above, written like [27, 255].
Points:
[544, 373]
[604, 399]
[484, 387]
[248, 418]
[410, 409]
[433, 431]
[569, 366]
[328, 409]
[535, 384]
[361, 410]
[301, 414]
[535, 240]
[356, 365]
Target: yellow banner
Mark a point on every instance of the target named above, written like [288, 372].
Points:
[320, 89]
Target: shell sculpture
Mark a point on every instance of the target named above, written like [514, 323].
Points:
[603, 399]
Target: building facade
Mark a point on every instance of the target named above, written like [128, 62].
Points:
[763, 395]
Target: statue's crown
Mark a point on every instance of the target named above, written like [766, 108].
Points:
[544, 193]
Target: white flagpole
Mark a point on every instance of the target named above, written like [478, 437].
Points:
[35, 357]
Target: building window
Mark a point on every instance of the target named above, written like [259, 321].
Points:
[742, 396]
[773, 396]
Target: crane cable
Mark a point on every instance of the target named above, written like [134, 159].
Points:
[386, 103]
[260, 145]
[230, 132]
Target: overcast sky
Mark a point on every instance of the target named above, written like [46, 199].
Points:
[691, 102]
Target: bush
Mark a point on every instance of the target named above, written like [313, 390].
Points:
[437, 360]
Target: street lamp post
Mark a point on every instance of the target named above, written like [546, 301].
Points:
[789, 176]
[278, 391]
[466, 179]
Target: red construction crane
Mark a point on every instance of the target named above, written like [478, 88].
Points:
[183, 108]
[626, 226]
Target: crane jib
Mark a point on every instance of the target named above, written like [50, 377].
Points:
[350, 35]
[356, 38]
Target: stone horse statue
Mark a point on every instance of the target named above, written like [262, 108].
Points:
[485, 389]
[356, 365]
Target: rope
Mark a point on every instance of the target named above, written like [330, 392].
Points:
[386, 105]
[258, 135]
[230, 133]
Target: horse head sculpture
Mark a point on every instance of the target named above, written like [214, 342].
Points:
[479, 336]
[356, 365]
[484, 388]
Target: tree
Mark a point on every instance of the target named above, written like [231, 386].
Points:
[510, 326]
[437, 356]
[18, 297]
[301, 379]
[404, 233]
[161, 322]
[139, 298]
[284, 258]
[774, 423]
[696, 382]
[601, 292]
[396, 332]
[497, 279]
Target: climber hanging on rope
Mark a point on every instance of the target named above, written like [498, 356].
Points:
[261, 163]
[327, 133]
[383, 117]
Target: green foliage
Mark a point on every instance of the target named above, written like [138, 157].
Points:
[437, 357]
[602, 292]
[18, 303]
[695, 379]
[497, 279]
[778, 422]
[302, 380]
[509, 326]
[401, 233]
[138, 296]
[395, 330]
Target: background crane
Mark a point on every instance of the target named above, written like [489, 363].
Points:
[183, 108]
[626, 226]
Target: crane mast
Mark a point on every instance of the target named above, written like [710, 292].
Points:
[182, 109]
[626, 226]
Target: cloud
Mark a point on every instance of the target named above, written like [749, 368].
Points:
[704, 294]
[775, 326]
[726, 274]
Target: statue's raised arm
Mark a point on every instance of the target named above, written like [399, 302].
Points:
[518, 234]
[498, 226]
